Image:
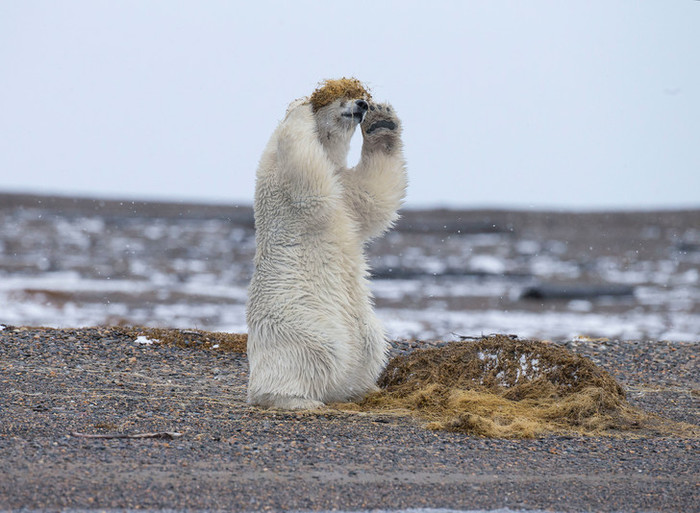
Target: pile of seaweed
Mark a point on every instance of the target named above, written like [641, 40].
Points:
[508, 388]
[496, 386]
[331, 90]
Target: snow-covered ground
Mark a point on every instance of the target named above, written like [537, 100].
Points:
[88, 265]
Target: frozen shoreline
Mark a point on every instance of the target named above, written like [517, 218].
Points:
[77, 262]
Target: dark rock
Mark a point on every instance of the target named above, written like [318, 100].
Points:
[574, 291]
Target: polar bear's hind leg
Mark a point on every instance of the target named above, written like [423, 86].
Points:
[287, 402]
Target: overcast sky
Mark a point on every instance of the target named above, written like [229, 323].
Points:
[527, 104]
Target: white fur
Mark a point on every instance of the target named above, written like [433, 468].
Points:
[313, 337]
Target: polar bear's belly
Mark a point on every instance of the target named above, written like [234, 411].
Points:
[315, 278]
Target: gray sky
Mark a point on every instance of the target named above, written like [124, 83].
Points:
[566, 104]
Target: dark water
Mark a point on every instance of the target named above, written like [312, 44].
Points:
[440, 274]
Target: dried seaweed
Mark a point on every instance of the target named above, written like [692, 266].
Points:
[331, 90]
[494, 387]
[505, 388]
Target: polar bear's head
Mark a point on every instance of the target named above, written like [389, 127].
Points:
[339, 118]
[339, 107]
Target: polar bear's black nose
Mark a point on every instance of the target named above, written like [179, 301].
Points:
[362, 105]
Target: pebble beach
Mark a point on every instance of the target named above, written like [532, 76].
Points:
[59, 384]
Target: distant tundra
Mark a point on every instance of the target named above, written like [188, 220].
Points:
[313, 337]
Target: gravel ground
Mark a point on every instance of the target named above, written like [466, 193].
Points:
[235, 457]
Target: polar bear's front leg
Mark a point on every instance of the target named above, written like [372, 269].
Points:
[305, 172]
[375, 188]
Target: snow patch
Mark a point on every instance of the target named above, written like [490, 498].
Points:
[487, 264]
[145, 340]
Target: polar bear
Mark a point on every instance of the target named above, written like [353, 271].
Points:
[313, 337]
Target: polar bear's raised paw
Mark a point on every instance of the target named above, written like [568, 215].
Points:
[381, 128]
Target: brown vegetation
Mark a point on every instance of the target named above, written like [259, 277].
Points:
[495, 387]
[506, 388]
[331, 90]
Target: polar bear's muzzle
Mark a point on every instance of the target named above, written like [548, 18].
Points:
[357, 111]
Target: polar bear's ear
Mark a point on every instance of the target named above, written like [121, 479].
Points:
[296, 103]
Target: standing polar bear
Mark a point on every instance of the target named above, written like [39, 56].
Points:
[313, 337]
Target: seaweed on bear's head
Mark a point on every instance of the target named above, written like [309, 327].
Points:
[330, 90]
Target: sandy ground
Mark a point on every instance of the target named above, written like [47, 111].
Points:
[235, 457]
